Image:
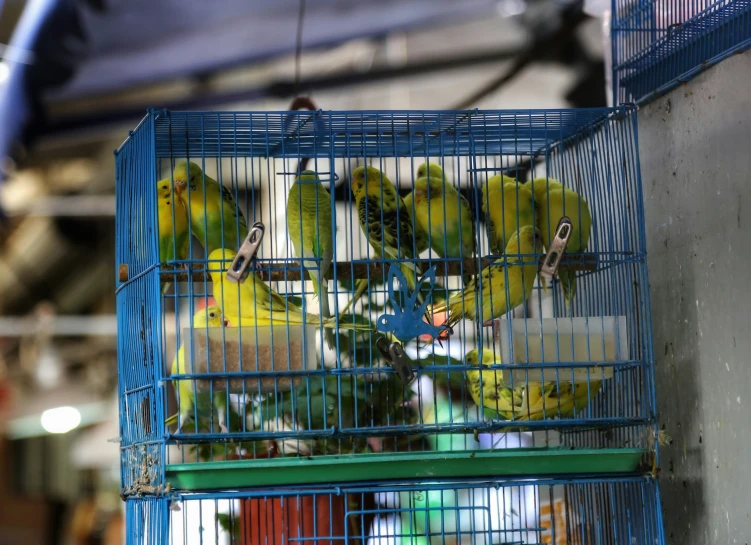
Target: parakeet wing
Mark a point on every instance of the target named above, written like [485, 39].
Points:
[229, 201]
[394, 234]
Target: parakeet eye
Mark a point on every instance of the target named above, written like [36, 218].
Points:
[212, 314]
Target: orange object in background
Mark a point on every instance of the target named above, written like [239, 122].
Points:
[563, 534]
[114, 531]
[317, 519]
[83, 520]
[287, 521]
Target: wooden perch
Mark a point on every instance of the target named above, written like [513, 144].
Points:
[346, 270]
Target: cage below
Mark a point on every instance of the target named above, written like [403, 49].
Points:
[566, 511]
[659, 44]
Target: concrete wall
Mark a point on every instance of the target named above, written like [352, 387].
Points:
[695, 158]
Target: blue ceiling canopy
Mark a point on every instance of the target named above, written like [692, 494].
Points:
[83, 48]
[139, 42]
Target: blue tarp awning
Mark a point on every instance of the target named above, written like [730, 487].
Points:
[87, 47]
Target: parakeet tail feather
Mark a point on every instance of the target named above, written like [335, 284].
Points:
[567, 278]
[322, 291]
[360, 288]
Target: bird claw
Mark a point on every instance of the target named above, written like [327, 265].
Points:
[446, 332]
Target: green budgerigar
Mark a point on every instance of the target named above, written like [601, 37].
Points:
[215, 218]
[508, 206]
[554, 201]
[310, 228]
[445, 215]
[385, 221]
[421, 237]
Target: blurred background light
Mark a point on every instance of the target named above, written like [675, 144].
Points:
[61, 419]
[4, 71]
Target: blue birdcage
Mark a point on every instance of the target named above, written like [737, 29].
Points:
[566, 511]
[487, 309]
[658, 44]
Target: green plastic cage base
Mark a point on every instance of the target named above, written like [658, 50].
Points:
[407, 465]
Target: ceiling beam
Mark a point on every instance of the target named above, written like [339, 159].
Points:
[282, 89]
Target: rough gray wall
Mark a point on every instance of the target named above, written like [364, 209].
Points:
[695, 146]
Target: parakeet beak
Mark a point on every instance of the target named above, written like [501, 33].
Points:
[180, 185]
[226, 323]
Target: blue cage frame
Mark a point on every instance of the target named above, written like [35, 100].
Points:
[601, 142]
[659, 44]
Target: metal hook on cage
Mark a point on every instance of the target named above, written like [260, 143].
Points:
[297, 104]
[551, 260]
[238, 270]
[394, 354]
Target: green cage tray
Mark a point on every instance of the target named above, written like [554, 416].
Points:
[408, 465]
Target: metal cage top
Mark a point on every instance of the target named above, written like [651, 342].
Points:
[369, 133]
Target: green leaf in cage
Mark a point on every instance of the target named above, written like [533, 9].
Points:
[229, 524]
[449, 380]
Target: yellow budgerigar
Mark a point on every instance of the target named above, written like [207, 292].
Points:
[253, 302]
[508, 206]
[434, 169]
[555, 201]
[445, 214]
[496, 295]
[190, 403]
[528, 400]
[215, 218]
[497, 400]
[310, 228]
[174, 235]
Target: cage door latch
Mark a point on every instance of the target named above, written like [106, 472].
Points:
[240, 267]
[397, 358]
[551, 260]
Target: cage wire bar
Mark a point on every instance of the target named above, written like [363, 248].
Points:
[556, 373]
[659, 44]
[614, 510]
